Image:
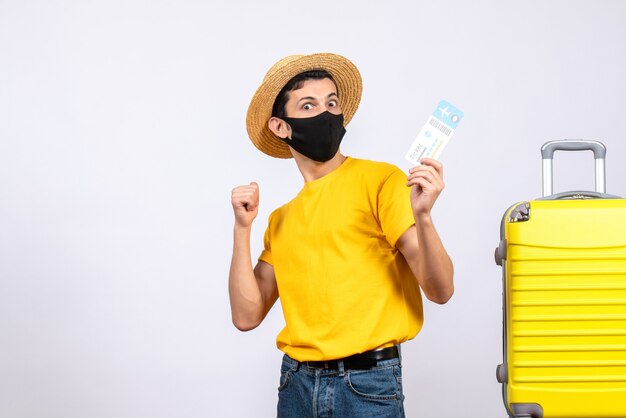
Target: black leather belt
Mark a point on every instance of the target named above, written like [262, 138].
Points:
[361, 361]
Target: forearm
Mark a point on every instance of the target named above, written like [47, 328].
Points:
[434, 267]
[246, 300]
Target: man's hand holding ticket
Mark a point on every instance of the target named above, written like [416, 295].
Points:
[435, 134]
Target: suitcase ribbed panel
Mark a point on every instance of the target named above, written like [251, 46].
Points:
[566, 308]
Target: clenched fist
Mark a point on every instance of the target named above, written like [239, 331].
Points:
[245, 200]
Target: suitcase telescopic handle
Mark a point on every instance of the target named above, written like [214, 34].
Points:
[547, 154]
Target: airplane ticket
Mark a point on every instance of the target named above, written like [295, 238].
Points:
[435, 134]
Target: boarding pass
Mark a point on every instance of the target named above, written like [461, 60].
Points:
[435, 134]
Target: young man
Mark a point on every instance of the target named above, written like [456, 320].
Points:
[348, 255]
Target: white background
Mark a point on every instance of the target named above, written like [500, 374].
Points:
[122, 133]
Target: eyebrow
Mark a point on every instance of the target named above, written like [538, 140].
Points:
[313, 98]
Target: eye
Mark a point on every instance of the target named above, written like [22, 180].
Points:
[333, 103]
[307, 106]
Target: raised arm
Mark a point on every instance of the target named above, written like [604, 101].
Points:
[420, 244]
[252, 291]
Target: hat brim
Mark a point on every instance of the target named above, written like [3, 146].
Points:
[349, 88]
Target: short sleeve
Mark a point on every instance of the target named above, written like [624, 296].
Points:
[266, 254]
[394, 206]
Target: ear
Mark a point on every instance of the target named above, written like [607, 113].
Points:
[279, 127]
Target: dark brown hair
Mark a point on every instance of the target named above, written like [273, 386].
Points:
[278, 110]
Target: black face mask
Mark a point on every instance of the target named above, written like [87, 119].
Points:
[317, 138]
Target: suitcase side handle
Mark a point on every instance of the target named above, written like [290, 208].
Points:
[547, 155]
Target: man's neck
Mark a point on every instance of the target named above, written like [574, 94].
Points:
[313, 170]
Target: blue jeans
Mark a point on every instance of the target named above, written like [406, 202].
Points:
[306, 392]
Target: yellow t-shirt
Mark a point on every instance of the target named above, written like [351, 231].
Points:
[344, 286]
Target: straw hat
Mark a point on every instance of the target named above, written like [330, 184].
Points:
[344, 73]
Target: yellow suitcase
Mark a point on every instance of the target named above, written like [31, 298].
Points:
[563, 259]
